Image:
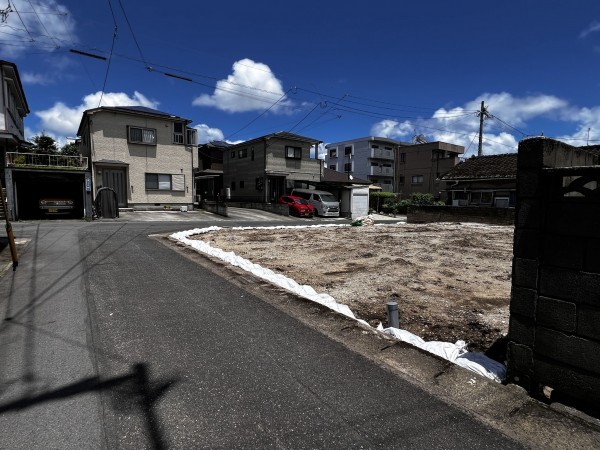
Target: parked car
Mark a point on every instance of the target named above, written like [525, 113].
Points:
[51, 206]
[298, 206]
[324, 202]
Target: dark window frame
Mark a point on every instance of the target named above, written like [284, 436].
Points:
[152, 182]
[292, 152]
[142, 131]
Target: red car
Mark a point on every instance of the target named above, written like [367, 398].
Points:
[298, 206]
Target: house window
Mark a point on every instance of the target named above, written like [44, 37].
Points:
[192, 135]
[142, 135]
[242, 184]
[417, 179]
[333, 167]
[178, 132]
[233, 154]
[243, 153]
[402, 157]
[349, 150]
[388, 148]
[165, 182]
[333, 152]
[401, 180]
[374, 146]
[293, 152]
[481, 198]
[348, 167]
[233, 185]
[251, 153]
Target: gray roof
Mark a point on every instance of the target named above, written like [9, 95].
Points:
[485, 167]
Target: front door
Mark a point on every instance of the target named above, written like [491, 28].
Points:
[116, 179]
[276, 188]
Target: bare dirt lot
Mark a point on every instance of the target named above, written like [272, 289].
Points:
[451, 281]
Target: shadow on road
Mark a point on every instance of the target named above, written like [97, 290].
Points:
[134, 388]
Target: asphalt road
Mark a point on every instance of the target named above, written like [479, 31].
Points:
[111, 339]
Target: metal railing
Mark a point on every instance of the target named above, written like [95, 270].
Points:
[42, 161]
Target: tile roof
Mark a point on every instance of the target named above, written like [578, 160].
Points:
[484, 167]
[280, 135]
[333, 176]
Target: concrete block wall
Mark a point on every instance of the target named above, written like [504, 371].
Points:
[554, 332]
[427, 214]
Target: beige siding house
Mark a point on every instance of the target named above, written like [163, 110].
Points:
[263, 169]
[146, 156]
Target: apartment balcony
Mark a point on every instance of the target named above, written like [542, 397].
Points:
[40, 161]
[380, 153]
[382, 171]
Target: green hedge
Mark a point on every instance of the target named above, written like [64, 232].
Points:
[390, 203]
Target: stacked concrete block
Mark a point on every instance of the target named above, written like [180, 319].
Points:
[554, 335]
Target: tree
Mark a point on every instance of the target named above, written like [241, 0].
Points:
[44, 145]
[70, 150]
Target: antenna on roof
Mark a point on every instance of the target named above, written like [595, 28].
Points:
[420, 139]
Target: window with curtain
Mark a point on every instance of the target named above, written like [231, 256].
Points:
[139, 135]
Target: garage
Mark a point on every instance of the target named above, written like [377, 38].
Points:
[62, 194]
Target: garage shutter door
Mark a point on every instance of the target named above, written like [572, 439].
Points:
[178, 182]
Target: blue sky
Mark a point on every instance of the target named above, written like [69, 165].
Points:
[330, 70]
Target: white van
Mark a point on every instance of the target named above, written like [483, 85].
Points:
[325, 203]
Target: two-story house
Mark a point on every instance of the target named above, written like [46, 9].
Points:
[146, 156]
[370, 158]
[12, 129]
[263, 169]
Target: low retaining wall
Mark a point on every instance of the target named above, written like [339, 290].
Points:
[216, 208]
[427, 214]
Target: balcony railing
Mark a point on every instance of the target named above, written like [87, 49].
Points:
[40, 161]
[382, 171]
[379, 153]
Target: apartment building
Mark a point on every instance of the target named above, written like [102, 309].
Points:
[370, 158]
[420, 167]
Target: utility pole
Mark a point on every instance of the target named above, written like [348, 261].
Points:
[483, 114]
[9, 231]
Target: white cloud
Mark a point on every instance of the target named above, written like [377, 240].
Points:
[251, 87]
[208, 134]
[50, 28]
[35, 78]
[460, 125]
[64, 120]
[592, 28]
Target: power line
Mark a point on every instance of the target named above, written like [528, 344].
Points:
[508, 125]
[114, 38]
[260, 115]
[132, 33]
[21, 19]
[42, 24]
